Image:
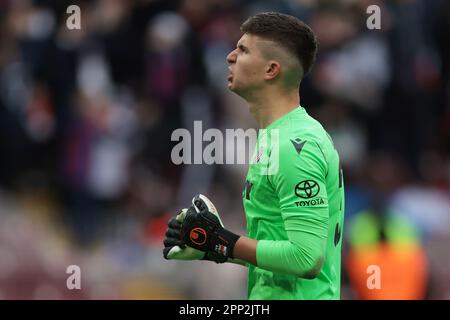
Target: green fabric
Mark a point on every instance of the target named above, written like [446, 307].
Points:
[295, 229]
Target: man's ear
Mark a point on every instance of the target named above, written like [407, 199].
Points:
[273, 69]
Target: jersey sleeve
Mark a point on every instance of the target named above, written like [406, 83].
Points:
[300, 186]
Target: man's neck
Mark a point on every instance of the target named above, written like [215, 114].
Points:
[268, 107]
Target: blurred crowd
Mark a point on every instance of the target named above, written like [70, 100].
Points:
[86, 118]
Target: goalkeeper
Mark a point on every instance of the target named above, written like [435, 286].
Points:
[294, 194]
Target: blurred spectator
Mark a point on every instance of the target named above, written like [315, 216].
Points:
[384, 244]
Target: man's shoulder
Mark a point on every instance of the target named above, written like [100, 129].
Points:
[298, 132]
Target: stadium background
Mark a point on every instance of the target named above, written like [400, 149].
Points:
[86, 117]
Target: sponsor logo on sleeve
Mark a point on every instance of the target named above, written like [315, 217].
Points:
[307, 189]
[312, 202]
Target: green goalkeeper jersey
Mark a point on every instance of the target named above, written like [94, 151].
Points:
[294, 205]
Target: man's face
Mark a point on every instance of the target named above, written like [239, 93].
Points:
[246, 66]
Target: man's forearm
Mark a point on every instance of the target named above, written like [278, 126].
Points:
[284, 256]
[245, 249]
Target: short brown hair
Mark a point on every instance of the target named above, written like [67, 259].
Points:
[289, 32]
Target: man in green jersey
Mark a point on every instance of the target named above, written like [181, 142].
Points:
[294, 193]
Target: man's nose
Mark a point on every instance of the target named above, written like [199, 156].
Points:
[231, 58]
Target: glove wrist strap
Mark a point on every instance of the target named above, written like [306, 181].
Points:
[226, 243]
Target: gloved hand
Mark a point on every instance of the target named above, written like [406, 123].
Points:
[203, 230]
[174, 249]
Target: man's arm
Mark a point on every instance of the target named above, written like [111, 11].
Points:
[302, 255]
[245, 249]
[306, 226]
